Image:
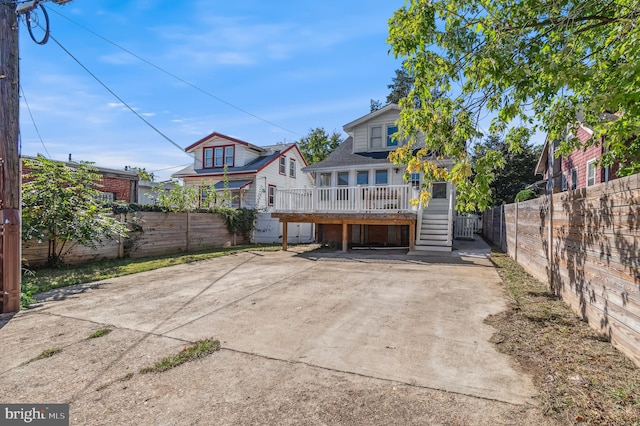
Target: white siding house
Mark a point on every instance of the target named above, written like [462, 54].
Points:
[358, 190]
[254, 174]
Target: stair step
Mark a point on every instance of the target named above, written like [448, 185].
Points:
[444, 237]
[433, 231]
[432, 248]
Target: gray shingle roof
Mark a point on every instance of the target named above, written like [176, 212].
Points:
[343, 156]
[252, 167]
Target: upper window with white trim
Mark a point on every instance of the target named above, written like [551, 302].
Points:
[383, 136]
[292, 167]
[283, 166]
[591, 172]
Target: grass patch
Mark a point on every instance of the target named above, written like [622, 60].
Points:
[99, 333]
[47, 353]
[39, 280]
[581, 378]
[199, 349]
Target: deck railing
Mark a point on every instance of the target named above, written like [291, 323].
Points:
[345, 199]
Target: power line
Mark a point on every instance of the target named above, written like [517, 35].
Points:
[24, 97]
[116, 96]
[177, 77]
[169, 168]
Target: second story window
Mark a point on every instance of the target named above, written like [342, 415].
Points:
[292, 167]
[218, 156]
[207, 161]
[228, 156]
[391, 131]
[283, 166]
[376, 137]
[591, 172]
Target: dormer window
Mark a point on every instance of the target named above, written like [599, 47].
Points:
[377, 136]
[391, 140]
[218, 156]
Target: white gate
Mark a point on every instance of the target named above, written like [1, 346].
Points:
[465, 227]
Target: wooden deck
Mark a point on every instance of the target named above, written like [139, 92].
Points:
[346, 219]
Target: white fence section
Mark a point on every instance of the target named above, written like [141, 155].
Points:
[465, 227]
[268, 230]
[346, 199]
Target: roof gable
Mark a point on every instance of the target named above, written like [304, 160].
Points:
[215, 135]
[391, 107]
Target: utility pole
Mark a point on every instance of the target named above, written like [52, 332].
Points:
[10, 162]
[10, 165]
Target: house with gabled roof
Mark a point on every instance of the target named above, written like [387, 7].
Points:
[360, 198]
[253, 174]
[579, 168]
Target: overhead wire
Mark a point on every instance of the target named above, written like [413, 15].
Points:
[35, 126]
[193, 86]
[116, 95]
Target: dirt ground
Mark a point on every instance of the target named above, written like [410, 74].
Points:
[306, 338]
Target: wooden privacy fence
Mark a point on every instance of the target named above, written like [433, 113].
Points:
[151, 234]
[585, 244]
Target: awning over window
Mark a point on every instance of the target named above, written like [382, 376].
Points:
[234, 185]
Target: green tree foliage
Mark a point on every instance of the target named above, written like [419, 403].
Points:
[400, 86]
[178, 199]
[531, 65]
[317, 145]
[374, 105]
[517, 172]
[60, 205]
[142, 173]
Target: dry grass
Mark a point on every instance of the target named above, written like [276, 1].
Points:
[199, 349]
[581, 378]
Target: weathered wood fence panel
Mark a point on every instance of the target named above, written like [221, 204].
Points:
[152, 234]
[594, 260]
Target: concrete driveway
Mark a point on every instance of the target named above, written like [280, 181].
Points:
[414, 321]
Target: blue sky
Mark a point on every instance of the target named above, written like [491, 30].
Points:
[295, 64]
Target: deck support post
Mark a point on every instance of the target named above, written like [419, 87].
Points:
[285, 237]
[344, 236]
[412, 236]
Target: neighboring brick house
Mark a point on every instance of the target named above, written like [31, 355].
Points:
[579, 169]
[114, 185]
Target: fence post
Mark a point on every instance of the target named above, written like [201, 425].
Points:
[121, 239]
[501, 224]
[515, 231]
[188, 231]
[550, 238]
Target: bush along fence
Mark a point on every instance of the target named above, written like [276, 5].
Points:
[585, 244]
[151, 234]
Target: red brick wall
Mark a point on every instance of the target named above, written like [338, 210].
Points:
[121, 188]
